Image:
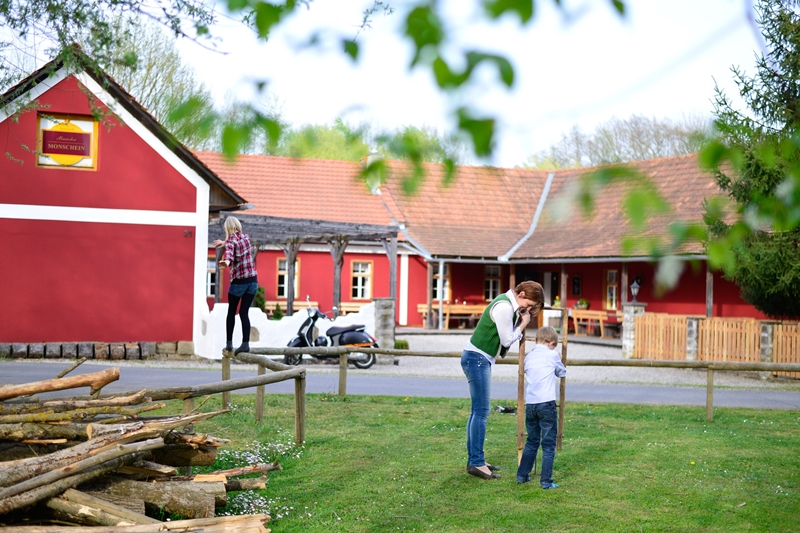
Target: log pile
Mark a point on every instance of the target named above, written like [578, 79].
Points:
[98, 465]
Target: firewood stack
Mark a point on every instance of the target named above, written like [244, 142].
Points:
[98, 465]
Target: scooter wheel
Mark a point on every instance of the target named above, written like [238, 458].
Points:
[293, 360]
[363, 360]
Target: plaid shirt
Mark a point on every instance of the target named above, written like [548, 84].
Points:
[239, 255]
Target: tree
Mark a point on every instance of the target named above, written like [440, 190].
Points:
[148, 65]
[337, 141]
[763, 178]
[426, 144]
[622, 140]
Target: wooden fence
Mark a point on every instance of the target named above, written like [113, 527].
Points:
[786, 346]
[660, 337]
[729, 339]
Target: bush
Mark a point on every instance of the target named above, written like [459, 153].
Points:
[400, 344]
[278, 314]
[260, 300]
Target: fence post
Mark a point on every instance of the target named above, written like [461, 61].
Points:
[692, 338]
[343, 360]
[384, 328]
[631, 310]
[260, 396]
[226, 375]
[767, 346]
[300, 410]
[710, 395]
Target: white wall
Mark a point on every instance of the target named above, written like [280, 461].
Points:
[272, 333]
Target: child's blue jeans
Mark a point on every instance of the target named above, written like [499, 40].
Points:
[541, 421]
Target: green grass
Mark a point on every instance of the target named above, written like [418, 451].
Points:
[380, 464]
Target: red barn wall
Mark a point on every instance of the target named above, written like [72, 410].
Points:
[71, 280]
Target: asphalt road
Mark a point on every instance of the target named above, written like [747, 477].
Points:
[140, 377]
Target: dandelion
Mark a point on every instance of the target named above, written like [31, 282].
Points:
[692, 462]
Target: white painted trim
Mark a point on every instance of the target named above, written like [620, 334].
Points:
[102, 215]
[403, 303]
[38, 90]
[201, 311]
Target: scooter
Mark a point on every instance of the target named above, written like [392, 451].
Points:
[337, 336]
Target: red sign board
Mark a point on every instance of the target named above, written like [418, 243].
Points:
[66, 143]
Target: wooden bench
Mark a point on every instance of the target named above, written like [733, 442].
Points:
[298, 304]
[588, 320]
[352, 307]
[457, 311]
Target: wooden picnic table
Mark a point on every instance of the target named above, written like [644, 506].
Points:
[458, 311]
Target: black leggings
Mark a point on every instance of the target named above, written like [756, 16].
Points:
[244, 309]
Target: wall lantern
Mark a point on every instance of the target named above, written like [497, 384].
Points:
[635, 290]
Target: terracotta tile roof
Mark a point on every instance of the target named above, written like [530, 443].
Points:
[678, 179]
[483, 214]
[300, 188]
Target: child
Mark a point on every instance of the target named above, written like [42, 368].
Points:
[542, 366]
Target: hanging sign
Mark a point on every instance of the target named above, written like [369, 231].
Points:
[67, 142]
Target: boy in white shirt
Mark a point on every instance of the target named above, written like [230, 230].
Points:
[542, 366]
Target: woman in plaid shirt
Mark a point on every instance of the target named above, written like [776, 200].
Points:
[244, 281]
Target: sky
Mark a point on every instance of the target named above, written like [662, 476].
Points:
[577, 66]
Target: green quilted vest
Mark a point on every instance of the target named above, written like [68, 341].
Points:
[485, 336]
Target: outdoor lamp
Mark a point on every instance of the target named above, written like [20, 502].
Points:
[634, 290]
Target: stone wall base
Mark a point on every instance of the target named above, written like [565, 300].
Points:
[178, 350]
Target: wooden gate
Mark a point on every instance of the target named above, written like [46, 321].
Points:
[729, 339]
[660, 336]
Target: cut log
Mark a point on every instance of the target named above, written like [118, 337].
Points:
[44, 441]
[79, 414]
[58, 406]
[47, 491]
[195, 439]
[260, 468]
[248, 483]
[220, 524]
[149, 469]
[66, 471]
[178, 455]
[83, 498]
[83, 514]
[192, 500]
[96, 381]
[20, 432]
[132, 504]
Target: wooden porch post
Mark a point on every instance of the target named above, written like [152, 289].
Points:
[429, 298]
[441, 294]
[624, 298]
[290, 250]
[338, 246]
[709, 291]
[390, 245]
[512, 275]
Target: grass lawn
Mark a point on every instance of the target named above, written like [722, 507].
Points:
[382, 464]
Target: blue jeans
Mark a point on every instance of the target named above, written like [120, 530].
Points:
[541, 421]
[478, 370]
[240, 289]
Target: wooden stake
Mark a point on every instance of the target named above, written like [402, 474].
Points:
[562, 392]
[260, 395]
[521, 400]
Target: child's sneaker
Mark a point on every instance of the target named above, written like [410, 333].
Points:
[521, 481]
[552, 486]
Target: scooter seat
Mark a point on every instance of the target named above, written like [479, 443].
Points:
[342, 329]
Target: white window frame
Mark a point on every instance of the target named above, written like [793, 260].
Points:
[491, 283]
[436, 283]
[285, 274]
[361, 280]
[211, 277]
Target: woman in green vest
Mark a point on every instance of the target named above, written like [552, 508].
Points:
[502, 324]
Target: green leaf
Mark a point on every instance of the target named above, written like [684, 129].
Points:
[267, 15]
[712, 154]
[351, 48]
[185, 109]
[619, 5]
[523, 8]
[480, 130]
[424, 28]
[237, 5]
[504, 67]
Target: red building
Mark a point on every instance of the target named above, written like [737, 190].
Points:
[104, 216]
[480, 235]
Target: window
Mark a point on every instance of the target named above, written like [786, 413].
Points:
[283, 276]
[441, 283]
[611, 289]
[211, 277]
[362, 280]
[491, 282]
